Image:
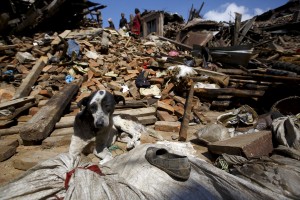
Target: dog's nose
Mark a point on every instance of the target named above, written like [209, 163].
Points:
[99, 123]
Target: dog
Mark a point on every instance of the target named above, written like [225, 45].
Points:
[97, 122]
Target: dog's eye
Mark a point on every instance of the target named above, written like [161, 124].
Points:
[93, 107]
[108, 108]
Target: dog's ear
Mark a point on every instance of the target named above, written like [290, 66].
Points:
[119, 98]
[83, 102]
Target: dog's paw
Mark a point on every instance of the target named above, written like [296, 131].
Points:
[130, 144]
[136, 143]
[133, 143]
[106, 159]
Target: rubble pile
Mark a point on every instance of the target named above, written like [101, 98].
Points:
[220, 85]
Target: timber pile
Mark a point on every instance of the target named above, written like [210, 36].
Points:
[44, 76]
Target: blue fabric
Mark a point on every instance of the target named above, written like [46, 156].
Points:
[69, 79]
[73, 46]
[9, 72]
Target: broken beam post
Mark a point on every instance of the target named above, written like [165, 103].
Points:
[42, 123]
[31, 78]
[245, 30]
[186, 116]
[228, 91]
[237, 25]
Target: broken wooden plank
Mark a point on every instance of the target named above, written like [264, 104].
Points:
[246, 28]
[29, 81]
[228, 91]
[249, 145]
[6, 47]
[267, 78]
[140, 112]
[43, 122]
[57, 40]
[237, 25]
[17, 102]
[18, 111]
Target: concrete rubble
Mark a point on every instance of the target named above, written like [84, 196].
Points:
[253, 63]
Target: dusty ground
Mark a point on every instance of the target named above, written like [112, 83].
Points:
[28, 156]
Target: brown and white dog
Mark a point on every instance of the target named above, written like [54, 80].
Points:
[96, 122]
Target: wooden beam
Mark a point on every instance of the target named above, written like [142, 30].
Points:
[187, 115]
[27, 83]
[6, 47]
[228, 91]
[42, 123]
[17, 102]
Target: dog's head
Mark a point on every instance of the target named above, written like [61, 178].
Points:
[100, 105]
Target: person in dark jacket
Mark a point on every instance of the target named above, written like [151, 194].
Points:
[123, 22]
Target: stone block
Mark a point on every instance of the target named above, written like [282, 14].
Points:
[29, 159]
[63, 132]
[139, 112]
[56, 141]
[248, 145]
[147, 120]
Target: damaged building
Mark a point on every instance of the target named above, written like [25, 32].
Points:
[21, 16]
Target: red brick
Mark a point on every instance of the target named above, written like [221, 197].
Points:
[165, 116]
[33, 110]
[166, 107]
[167, 126]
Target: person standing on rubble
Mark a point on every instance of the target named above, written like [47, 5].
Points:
[123, 22]
[111, 24]
[136, 24]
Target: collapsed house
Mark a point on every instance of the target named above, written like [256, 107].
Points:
[224, 95]
[20, 16]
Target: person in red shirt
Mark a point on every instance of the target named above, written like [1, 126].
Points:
[136, 25]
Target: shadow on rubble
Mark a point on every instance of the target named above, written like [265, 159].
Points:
[274, 94]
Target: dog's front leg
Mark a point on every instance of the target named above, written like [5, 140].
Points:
[77, 145]
[104, 140]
